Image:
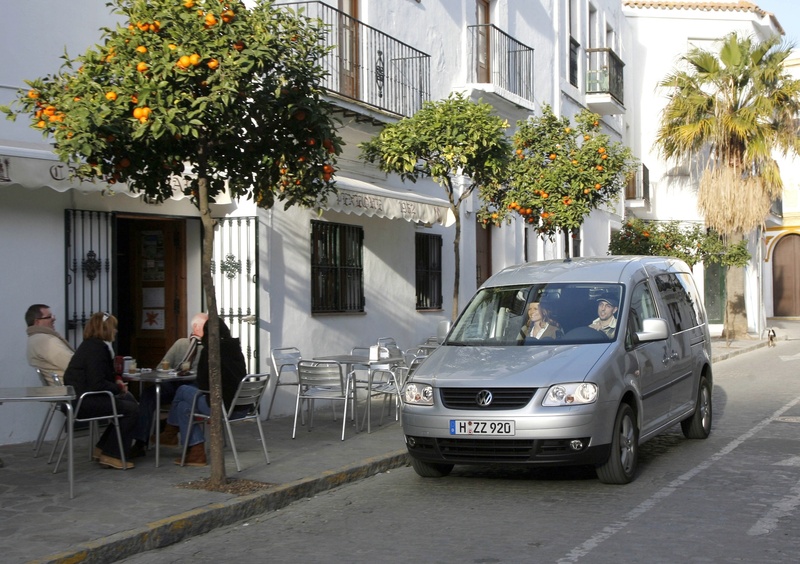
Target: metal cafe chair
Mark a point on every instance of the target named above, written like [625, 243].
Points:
[321, 380]
[248, 399]
[283, 360]
[47, 379]
[112, 418]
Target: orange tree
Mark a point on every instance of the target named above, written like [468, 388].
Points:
[690, 243]
[206, 90]
[446, 138]
[559, 173]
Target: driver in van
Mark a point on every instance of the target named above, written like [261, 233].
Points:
[606, 310]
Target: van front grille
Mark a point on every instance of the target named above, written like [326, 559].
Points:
[501, 398]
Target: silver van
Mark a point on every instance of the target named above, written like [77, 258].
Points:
[570, 362]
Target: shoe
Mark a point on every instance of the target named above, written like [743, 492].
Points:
[96, 452]
[195, 456]
[170, 435]
[138, 450]
[111, 462]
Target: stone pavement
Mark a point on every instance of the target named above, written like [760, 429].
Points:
[115, 514]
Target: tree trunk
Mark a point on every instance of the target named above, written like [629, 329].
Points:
[457, 263]
[735, 324]
[216, 445]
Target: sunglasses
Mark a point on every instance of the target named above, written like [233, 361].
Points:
[45, 317]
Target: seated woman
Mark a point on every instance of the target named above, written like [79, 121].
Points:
[541, 323]
[233, 369]
[92, 369]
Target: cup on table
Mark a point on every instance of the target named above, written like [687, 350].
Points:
[185, 366]
[132, 367]
[165, 365]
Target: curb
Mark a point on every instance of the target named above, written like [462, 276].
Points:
[726, 353]
[177, 528]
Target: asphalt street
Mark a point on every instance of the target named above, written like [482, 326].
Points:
[734, 497]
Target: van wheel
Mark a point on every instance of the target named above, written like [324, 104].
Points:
[620, 468]
[698, 425]
[428, 470]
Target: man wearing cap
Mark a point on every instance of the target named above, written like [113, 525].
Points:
[606, 309]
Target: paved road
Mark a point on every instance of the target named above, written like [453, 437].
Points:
[732, 498]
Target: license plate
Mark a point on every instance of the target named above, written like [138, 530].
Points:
[477, 427]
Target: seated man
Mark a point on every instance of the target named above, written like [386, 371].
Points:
[606, 309]
[47, 350]
[183, 350]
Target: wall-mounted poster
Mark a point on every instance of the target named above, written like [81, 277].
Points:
[153, 319]
[152, 256]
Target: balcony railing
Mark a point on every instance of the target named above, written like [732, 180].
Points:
[604, 74]
[497, 58]
[368, 66]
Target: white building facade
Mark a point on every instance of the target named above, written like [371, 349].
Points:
[82, 247]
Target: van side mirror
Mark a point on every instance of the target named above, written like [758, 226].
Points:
[442, 330]
[653, 329]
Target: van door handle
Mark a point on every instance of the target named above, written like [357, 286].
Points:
[666, 360]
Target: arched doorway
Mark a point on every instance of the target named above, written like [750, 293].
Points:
[786, 277]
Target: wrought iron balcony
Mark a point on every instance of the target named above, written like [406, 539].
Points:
[604, 81]
[368, 66]
[497, 58]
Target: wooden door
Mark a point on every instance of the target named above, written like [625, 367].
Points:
[786, 277]
[349, 59]
[154, 287]
[482, 52]
[483, 253]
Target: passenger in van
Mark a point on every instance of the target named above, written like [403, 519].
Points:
[606, 321]
[540, 322]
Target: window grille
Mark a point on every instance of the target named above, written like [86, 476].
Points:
[429, 271]
[337, 269]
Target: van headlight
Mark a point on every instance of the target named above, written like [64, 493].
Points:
[418, 394]
[578, 393]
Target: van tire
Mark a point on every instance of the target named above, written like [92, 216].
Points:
[428, 470]
[620, 468]
[698, 425]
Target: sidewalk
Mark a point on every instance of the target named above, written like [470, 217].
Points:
[116, 514]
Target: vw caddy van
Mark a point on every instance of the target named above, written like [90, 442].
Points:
[621, 352]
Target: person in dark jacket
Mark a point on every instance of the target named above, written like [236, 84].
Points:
[233, 369]
[91, 369]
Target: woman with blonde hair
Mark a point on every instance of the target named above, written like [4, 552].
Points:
[92, 369]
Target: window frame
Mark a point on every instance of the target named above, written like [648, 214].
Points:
[428, 271]
[337, 268]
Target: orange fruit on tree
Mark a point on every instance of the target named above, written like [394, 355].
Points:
[601, 150]
[311, 142]
[552, 156]
[184, 62]
[111, 95]
[194, 59]
[41, 123]
[172, 46]
[328, 169]
[599, 168]
[50, 110]
[33, 94]
[597, 186]
[212, 64]
[211, 20]
[134, 99]
[141, 49]
[586, 190]
[604, 157]
[587, 137]
[238, 45]
[188, 4]
[228, 15]
[141, 66]
[138, 112]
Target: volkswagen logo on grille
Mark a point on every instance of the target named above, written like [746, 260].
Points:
[484, 398]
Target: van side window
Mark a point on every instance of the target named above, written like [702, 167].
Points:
[642, 306]
[679, 295]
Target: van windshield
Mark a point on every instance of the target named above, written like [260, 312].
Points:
[540, 314]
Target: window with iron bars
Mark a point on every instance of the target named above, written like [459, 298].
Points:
[337, 268]
[429, 271]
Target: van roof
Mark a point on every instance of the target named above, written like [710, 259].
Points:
[613, 269]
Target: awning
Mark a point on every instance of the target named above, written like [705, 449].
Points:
[33, 167]
[364, 198]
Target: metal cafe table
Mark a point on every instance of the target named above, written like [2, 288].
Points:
[156, 377]
[61, 394]
[352, 360]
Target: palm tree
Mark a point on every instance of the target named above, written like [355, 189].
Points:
[728, 114]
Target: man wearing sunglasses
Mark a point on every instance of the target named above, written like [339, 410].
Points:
[47, 350]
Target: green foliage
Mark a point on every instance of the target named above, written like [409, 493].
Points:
[195, 89]
[445, 138]
[692, 243]
[560, 173]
